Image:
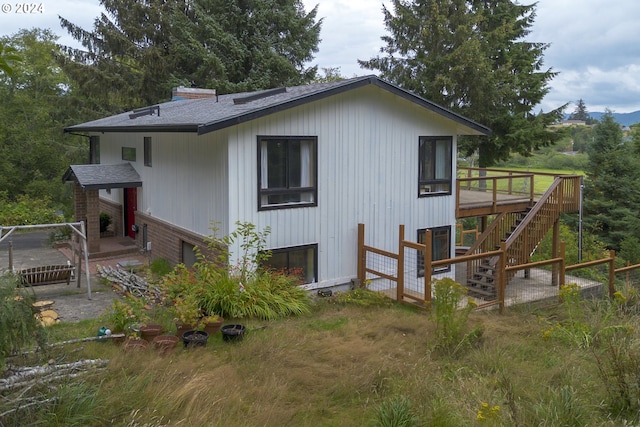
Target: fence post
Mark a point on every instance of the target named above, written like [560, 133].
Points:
[427, 260]
[362, 257]
[612, 273]
[400, 269]
[502, 275]
[554, 250]
[562, 264]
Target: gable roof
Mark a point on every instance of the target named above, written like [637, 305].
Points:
[202, 116]
[94, 176]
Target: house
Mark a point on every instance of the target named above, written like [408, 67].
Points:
[310, 162]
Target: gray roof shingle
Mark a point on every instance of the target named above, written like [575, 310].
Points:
[91, 177]
[210, 114]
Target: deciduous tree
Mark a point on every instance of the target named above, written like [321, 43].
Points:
[36, 105]
[471, 56]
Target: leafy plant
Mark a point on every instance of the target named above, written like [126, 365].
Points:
[105, 221]
[450, 318]
[395, 412]
[126, 313]
[245, 289]
[160, 267]
[18, 325]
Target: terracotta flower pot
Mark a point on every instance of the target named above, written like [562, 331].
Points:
[213, 327]
[148, 332]
[134, 344]
[181, 328]
[165, 343]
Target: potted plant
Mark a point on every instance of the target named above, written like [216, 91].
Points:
[125, 316]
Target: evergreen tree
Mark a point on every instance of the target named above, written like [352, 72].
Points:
[471, 57]
[581, 113]
[612, 187]
[140, 49]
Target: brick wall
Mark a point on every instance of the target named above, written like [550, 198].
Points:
[93, 220]
[166, 239]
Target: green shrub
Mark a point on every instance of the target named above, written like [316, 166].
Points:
[396, 412]
[105, 221]
[18, 324]
[237, 291]
[451, 319]
[28, 211]
[160, 267]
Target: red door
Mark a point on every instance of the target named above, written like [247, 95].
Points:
[130, 208]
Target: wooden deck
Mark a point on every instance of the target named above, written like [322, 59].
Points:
[471, 203]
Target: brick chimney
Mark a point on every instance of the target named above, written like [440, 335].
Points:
[182, 92]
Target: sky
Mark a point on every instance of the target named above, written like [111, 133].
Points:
[593, 43]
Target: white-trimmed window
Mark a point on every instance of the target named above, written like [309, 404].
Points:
[298, 260]
[434, 165]
[287, 172]
[440, 248]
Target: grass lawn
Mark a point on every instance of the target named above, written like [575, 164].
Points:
[350, 365]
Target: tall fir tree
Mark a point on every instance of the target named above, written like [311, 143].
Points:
[139, 49]
[612, 186]
[471, 56]
[580, 112]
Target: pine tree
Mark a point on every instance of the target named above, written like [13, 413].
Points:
[471, 57]
[580, 112]
[139, 49]
[612, 187]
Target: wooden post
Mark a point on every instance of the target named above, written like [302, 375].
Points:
[428, 256]
[612, 273]
[502, 275]
[562, 264]
[554, 251]
[362, 260]
[400, 269]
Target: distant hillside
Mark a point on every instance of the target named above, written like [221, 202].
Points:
[625, 119]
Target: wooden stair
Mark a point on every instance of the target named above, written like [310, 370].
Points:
[521, 233]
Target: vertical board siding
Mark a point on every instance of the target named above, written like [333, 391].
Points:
[187, 182]
[367, 172]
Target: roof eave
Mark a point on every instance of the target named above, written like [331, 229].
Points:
[189, 128]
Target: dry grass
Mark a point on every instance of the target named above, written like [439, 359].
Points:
[338, 365]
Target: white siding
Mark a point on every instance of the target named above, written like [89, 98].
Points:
[187, 182]
[367, 172]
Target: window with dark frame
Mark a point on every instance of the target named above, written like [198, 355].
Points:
[94, 150]
[129, 153]
[440, 248]
[147, 151]
[287, 172]
[434, 165]
[298, 260]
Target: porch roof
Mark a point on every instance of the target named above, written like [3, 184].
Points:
[99, 177]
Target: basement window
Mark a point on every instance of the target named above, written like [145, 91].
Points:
[440, 248]
[298, 260]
